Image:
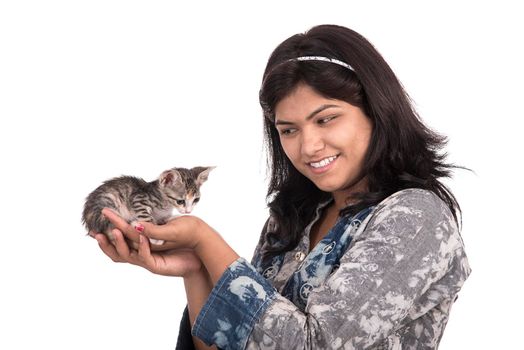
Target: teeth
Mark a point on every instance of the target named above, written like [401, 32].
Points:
[323, 162]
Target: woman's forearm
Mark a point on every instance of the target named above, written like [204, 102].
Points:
[216, 255]
[198, 287]
[214, 252]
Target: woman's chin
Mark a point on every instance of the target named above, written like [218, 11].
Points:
[327, 187]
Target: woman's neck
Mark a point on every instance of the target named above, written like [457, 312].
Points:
[344, 197]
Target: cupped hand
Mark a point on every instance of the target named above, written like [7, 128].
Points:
[181, 232]
[174, 262]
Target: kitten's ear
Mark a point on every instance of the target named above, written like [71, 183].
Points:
[201, 174]
[169, 177]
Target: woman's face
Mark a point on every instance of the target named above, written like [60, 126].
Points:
[325, 139]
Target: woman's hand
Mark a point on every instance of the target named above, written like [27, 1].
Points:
[180, 263]
[175, 258]
[181, 232]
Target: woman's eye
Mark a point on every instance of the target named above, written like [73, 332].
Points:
[287, 131]
[326, 120]
[180, 202]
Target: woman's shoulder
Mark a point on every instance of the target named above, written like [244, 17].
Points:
[411, 212]
[413, 197]
[417, 222]
[415, 203]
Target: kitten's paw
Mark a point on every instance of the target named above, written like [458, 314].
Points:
[156, 241]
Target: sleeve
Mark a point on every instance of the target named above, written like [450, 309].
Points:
[408, 245]
[236, 302]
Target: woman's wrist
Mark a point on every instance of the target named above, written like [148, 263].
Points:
[213, 251]
[201, 231]
[196, 277]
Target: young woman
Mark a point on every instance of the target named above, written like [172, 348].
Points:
[362, 248]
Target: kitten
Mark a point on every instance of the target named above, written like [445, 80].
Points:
[137, 200]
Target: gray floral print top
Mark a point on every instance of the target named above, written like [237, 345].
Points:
[385, 278]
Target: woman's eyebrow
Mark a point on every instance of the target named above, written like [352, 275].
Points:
[311, 115]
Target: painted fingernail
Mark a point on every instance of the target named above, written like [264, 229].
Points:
[139, 227]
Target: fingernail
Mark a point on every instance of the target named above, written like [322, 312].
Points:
[142, 238]
[139, 227]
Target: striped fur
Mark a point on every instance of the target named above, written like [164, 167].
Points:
[134, 199]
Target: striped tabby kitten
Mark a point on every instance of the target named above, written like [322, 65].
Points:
[137, 200]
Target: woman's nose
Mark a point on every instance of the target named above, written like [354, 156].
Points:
[312, 143]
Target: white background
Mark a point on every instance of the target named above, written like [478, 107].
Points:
[95, 89]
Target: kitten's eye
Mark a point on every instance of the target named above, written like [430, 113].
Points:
[180, 202]
[196, 200]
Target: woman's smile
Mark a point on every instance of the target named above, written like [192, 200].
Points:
[324, 165]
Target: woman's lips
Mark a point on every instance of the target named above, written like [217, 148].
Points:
[323, 165]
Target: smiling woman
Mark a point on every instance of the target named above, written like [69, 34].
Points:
[361, 250]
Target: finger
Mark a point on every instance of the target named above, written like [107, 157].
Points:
[144, 250]
[166, 246]
[120, 224]
[133, 245]
[120, 244]
[107, 247]
[164, 232]
[115, 219]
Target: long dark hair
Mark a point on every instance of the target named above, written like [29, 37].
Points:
[403, 152]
